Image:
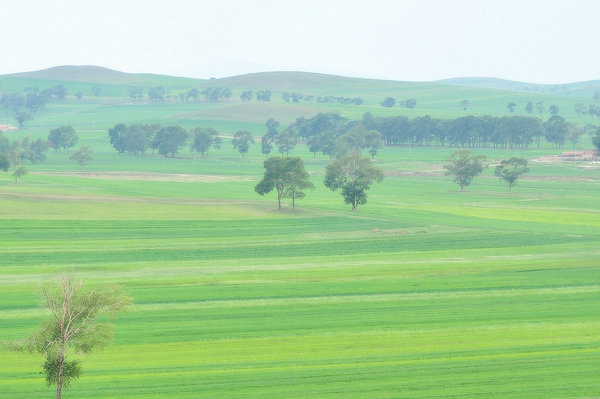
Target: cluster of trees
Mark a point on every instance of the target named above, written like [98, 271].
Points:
[15, 153]
[464, 166]
[23, 105]
[351, 174]
[391, 102]
[137, 139]
[472, 131]
[298, 97]
[160, 94]
[260, 95]
[321, 134]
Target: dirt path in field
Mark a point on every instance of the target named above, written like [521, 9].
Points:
[440, 173]
[150, 176]
[112, 198]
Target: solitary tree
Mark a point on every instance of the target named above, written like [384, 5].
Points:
[354, 176]
[511, 169]
[388, 102]
[553, 109]
[75, 326]
[511, 106]
[18, 173]
[529, 107]
[242, 140]
[464, 166]
[287, 176]
[465, 104]
[204, 138]
[82, 156]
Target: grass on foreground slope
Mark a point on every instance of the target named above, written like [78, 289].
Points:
[425, 292]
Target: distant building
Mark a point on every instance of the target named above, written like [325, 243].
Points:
[7, 128]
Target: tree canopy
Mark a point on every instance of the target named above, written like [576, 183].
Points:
[242, 140]
[75, 326]
[353, 175]
[464, 166]
[287, 176]
[63, 137]
[511, 169]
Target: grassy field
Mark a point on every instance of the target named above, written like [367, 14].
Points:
[424, 292]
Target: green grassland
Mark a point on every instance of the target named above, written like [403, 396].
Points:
[424, 292]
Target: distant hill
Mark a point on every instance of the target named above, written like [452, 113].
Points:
[570, 89]
[96, 74]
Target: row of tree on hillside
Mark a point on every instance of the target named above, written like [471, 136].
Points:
[336, 136]
[467, 131]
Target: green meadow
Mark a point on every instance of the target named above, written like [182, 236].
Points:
[424, 292]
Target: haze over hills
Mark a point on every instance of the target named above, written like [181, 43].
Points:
[290, 80]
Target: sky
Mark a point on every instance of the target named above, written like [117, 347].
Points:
[536, 41]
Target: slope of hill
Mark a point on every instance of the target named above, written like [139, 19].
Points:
[586, 88]
[98, 75]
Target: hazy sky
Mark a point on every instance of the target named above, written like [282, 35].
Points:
[542, 41]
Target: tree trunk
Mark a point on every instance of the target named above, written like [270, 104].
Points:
[279, 204]
[462, 188]
[59, 379]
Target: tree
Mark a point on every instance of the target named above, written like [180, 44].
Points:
[529, 107]
[373, 141]
[266, 145]
[263, 95]
[354, 176]
[595, 141]
[4, 162]
[286, 141]
[247, 95]
[511, 106]
[556, 130]
[193, 94]
[20, 171]
[580, 108]
[464, 104]
[169, 140]
[553, 109]
[63, 137]
[388, 102]
[540, 107]
[76, 326]
[287, 176]
[314, 145]
[157, 94]
[96, 91]
[79, 95]
[82, 156]
[410, 103]
[464, 166]
[136, 93]
[242, 140]
[511, 169]
[204, 138]
[22, 118]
